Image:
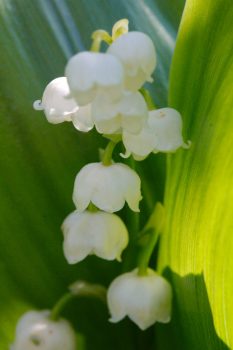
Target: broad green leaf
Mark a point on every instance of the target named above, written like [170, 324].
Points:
[38, 161]
[196, 248]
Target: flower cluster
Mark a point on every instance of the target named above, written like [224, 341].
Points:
[104, 90]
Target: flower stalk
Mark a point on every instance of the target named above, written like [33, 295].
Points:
[151, 232]
[107, 156]
[77, 289]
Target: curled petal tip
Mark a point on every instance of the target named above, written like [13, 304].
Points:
[113, 320]
[125, 155]
[150, 79]
[37, 105]
[136, 209]
[167, 319]
[187, 145]
[119, 259]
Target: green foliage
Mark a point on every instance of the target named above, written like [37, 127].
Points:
[196, 248]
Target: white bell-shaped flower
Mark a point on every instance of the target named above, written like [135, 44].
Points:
[162, 132]
[90, 73]
[99, 233]
[137, 53]
[36, 331]
[144, 299]
[59, 107]
[107, 187]
[55, 103]
[166, 124]
[128, 113]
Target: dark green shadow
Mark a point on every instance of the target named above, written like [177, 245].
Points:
[192, 326]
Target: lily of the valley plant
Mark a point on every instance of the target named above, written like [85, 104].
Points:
[105, 91]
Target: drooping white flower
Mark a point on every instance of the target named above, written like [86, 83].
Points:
[36, 331]
[137, 53]
[144, 299]
[99, 233]
[59, 107]
[161, 133]
[128, 113]
[166, 124]
[90, 73]
[107, 187]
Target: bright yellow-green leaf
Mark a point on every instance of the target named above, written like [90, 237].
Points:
[197, 247]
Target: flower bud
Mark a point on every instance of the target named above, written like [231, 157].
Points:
[137, 53]
[99, 233]
[107, 187]
[91, 73]
[128, 113]
[36, 331]
[144, 299]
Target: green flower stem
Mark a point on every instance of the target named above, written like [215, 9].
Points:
[98, 36]
[79, 288]
[153, 228]
[147, 96]
[60, 305]
[107, 156]
[147, 252]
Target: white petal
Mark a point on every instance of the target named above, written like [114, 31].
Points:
[166, 124]
[109, 236]
[141, 144]
[128, 113]
[89, 73]
[99, 233]
[108, 187]
[130, 183]
[155, 304]
[82, 119]
[76, 245]
[137, 53]
[57, 106]
[36, 330]
[118, 296]
[145, 299]
[82, 186]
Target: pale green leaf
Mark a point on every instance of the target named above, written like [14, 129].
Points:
[196, 249]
